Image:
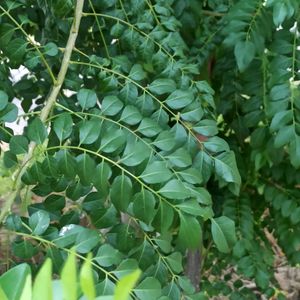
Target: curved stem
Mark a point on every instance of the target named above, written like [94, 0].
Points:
[50, 102]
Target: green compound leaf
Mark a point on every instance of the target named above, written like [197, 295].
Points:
[87, 240]
[156, 172]
[149, 127]
[87, 98]
[148, 289]
[107, 256]
[63, 126]
[18, 144]
[131, 115]
[223, 233]
[9, 114]
[164, 217]
[111, 105]
[244, 52]
[121, 192]
[144, 206]
[39, 222]
[37, 131]
[190, 232]
[86, 168]
[180, 99]
[51, 49]
[89, 131]
[135, 152]
[3, 100]
[175, 189]
[162, 86]
[175, 262]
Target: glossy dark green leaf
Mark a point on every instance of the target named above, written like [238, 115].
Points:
[144, 206]
[180, 99]
[137, 73]
[135, 152]
[156, 172]
[39, 222]
[111, 105]
[76, 190]
[68, 234]
[206, 128]
[180, 158]
[165, 141]
[285, 135]
[37, 131]
[192, 112]
[162, 86]
[3, 100]
[111, 142]
[174, 189]
[148, 289]
[131, 115]
[51, 49]
[86, 241]
[66, 163]
[164, 217]
[107, 256]
[86, 98]
[149, 127]
[175, 262]
[191, 207]
[191, 175]
[190, 232]
[295, 151]
[216, 144]
[24, 249]
[9, 114]
[121, 192]
[6, 33]
[85, 168]
[225, 168]
[18, 144]
[89, 131]
[223, 233]
[244, 52]
[54, 202]
[101, 176]
[281, 119]
[9, 159]
[16, 50]
[62, 126]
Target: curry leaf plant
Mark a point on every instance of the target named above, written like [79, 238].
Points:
[155, 131]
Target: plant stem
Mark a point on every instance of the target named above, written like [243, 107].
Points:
[50, 102]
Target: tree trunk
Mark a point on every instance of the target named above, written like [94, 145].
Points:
[193, 266]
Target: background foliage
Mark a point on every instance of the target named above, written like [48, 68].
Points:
[176, 127]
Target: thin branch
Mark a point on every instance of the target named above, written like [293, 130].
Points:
[50, 102]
